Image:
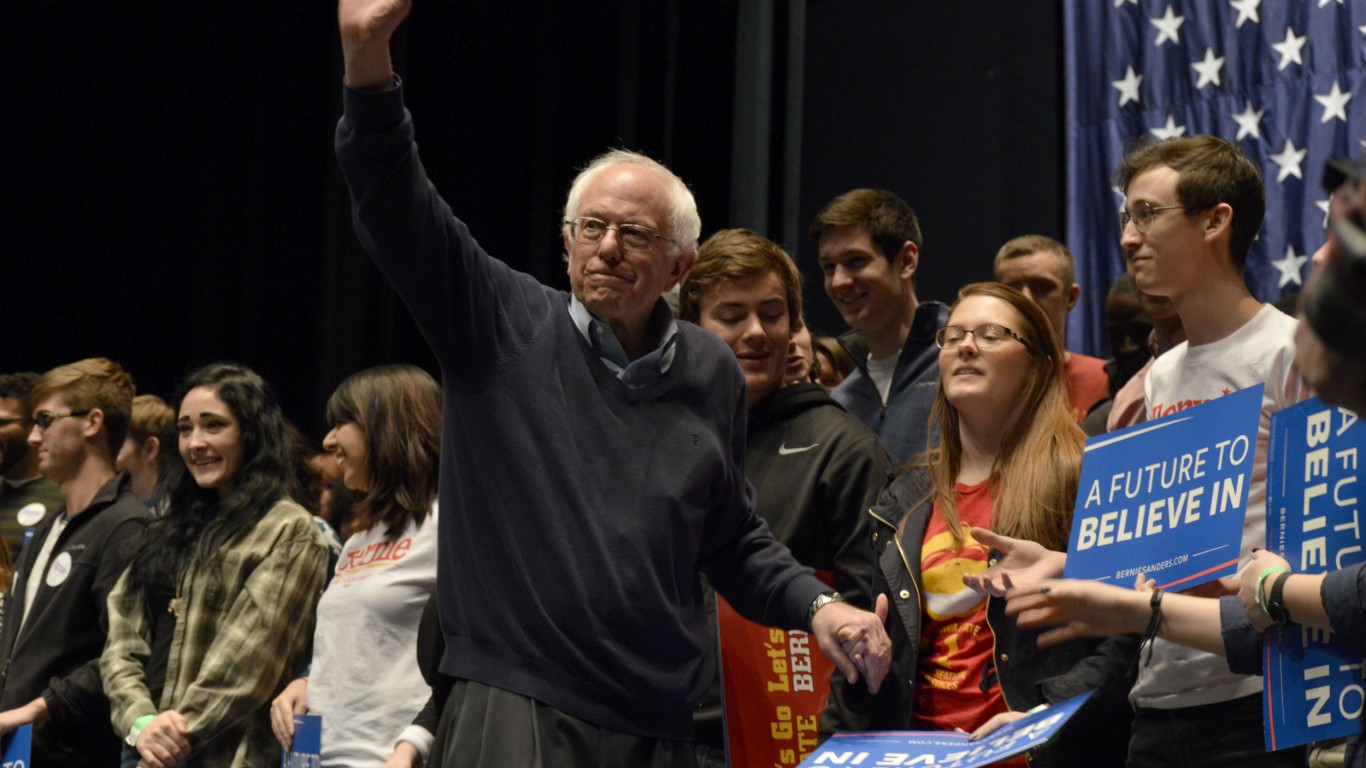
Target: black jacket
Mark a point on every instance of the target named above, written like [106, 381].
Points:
[56, 654]
[816, 472]
[1098, 735]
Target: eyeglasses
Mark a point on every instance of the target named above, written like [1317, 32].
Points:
[986, 336]
[10, 422]
[43, 419]
[1144, 215]
[633, 237]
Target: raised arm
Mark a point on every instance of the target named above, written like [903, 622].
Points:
[366, 27]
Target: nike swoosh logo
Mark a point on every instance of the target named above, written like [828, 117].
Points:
[783, 450]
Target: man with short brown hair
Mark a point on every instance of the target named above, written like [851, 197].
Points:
[1043, 269]
[54, 628]
[870, 242]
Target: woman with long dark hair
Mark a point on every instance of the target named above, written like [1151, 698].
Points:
[1008, 460]
[215, 611]
[364, 680]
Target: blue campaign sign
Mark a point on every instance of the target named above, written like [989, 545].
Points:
[1167, 498]
[944, 749]
[17, 745]
[1313, 685]
[306, 750]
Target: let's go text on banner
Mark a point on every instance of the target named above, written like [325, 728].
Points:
[1167, 498]
[775, 684]
[1313, 685]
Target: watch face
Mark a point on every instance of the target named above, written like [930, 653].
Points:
[1277, 613]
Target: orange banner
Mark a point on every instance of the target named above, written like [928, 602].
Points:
[774, 685]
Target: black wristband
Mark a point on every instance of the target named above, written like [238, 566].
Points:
[1154, 623]
[1275, 602]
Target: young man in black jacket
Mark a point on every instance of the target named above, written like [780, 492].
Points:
[816, 470]
[54, 623]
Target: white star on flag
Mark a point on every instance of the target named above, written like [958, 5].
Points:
[1247, 11]
[1289, 267]
[1208, 69]
[1289, 161]
[1289, 49]
[1118, 3]
[1326, 2]
[1334, 104]
[1128, 87]
[1169, 131]
[1167, 27]
[1249, 122]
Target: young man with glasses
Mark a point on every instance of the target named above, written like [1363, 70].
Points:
[22, 487]
[1193, 207]
[591, 461]
[869, 244]
[53, 631]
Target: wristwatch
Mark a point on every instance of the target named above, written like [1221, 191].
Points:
[822, 600]
[1275, 603]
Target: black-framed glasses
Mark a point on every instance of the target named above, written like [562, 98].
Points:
[1144, 214]
[986, 336]
[43, 419]
[633, 237]
[10, 422]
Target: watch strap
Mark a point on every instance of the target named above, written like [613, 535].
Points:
[1275, 601]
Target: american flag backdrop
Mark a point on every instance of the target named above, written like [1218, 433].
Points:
[1285, 79]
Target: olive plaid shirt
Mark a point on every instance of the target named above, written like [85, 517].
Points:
[238, 640]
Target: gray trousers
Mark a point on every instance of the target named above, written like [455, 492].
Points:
[486, 727]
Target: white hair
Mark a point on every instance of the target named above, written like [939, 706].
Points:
[685, 225]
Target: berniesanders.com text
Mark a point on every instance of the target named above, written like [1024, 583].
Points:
[1152, 568]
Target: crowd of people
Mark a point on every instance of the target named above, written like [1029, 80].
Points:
[514, 564]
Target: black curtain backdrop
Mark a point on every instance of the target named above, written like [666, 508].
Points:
[170, 196]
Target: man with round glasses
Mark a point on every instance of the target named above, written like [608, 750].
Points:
[591, 456]
[1193, 207]
[55, 611]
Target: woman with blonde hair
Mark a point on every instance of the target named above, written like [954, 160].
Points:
[1008, 461]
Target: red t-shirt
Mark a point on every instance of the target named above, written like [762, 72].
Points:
[1087, 383]
[955, 642]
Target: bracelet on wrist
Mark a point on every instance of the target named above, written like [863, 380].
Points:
[1261, 585]
[1275, 601]
[1154, 623]
[131, 738]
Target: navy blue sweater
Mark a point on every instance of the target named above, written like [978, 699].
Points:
[576, 511]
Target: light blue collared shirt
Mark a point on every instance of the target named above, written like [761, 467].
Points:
[637, 373]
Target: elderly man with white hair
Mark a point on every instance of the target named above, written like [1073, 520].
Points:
[591, 456]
